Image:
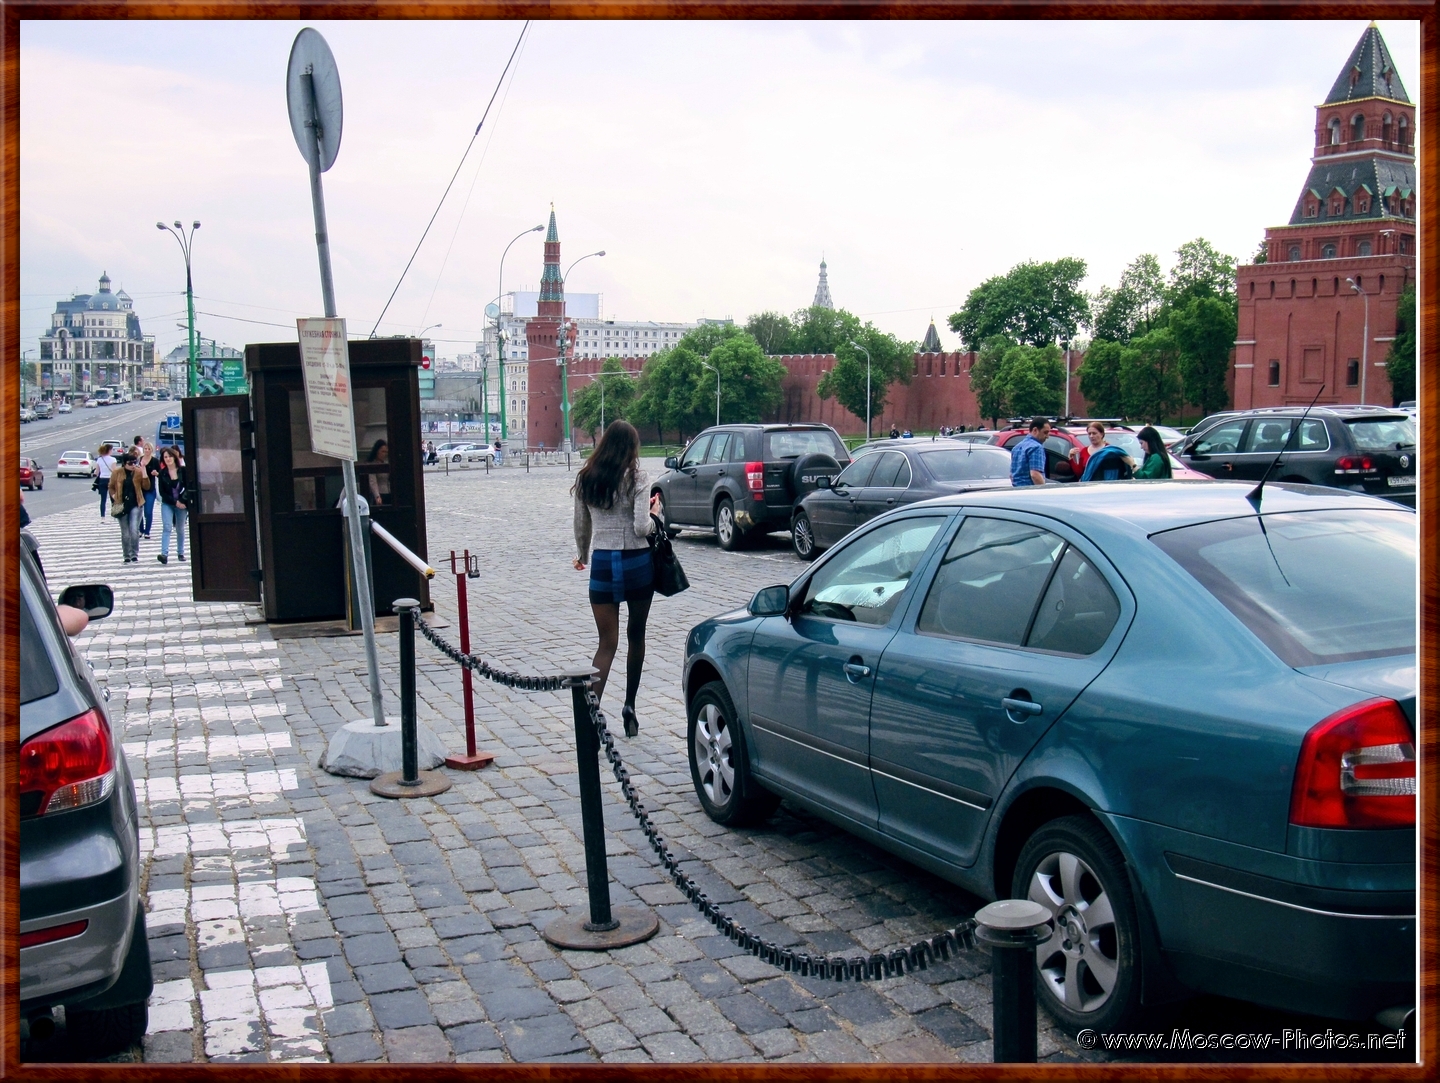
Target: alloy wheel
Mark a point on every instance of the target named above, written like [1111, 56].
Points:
[803, 536]
[713, 755]
[725, 525]
[1080, 962]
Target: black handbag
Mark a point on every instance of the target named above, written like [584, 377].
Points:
[669, 576]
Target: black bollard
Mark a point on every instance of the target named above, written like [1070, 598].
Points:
[1012, 929]
[604, 927]
[409, 781]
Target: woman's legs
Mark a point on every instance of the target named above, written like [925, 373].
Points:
[607, 623]
[635, 643]
[104, 495]
[167, 524]
[130, 532]
[149, 511]
[182, 520]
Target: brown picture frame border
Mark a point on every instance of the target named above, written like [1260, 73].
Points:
[12, 12]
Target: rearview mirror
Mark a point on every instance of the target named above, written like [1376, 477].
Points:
[770, 602]
[671, 462]
[96, 599]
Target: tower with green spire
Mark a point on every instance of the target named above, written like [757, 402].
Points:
[549, 398]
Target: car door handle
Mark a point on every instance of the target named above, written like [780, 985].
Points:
[1015, 707]
[890, 501]
[855, 672]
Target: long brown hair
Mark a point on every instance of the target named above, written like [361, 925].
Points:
[607, 472]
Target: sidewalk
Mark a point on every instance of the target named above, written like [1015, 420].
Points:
[295, 916]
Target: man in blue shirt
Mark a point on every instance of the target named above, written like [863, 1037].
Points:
[1027, 458]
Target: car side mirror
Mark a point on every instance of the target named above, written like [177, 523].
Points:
[97, 600]
[671, 462]
[824, 481]
[770, 602]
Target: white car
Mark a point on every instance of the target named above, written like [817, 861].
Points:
[64, 408]
[91, 403]
[466, 453]
[75, 464]
[26, 414]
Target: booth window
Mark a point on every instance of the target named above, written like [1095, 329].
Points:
[221, 474]
[317, 483]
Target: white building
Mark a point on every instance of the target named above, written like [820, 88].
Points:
[94, 340]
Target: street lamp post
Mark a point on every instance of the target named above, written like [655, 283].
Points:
[601, 377]
[186, 243]
[1365, 345]
[567, 437]
[1066, 347]
[866, 352]
[716, 371]
[500, 341]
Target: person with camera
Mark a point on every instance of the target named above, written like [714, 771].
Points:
[128, 484]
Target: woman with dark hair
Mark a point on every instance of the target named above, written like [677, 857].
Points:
[380, 479]
[174, 504]
[1157, 459]
[612, 513]
[104, 467]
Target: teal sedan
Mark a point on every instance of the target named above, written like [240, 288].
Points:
[1179, 717]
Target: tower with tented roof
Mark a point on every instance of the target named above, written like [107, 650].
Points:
[822, 290]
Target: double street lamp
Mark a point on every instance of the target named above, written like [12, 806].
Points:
[186, 244]
[500, 338]
[716, 371]
[564, 342]
[866, 352]
[601, 377]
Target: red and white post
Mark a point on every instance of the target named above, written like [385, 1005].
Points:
[472, 760]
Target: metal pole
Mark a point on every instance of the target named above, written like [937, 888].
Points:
[409, 754]
[587, 746]
[1067, 381]
[1013, 929]
[564, 391]
[717, 394]
[190, 308]
[1365, 349]
[464, 616]
[347, 467]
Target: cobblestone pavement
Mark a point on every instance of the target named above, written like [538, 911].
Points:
[294, 916]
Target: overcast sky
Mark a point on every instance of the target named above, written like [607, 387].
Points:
[714, 162]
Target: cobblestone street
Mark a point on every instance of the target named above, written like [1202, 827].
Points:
[295, 916]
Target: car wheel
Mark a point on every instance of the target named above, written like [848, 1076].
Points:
[726, 529]
[670, 531]
[1088, 971]
[719, 766]
[41, 485]
[802, 537]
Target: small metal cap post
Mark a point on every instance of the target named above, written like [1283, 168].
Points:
[604, 927]
[409, 781]
[1012, 929]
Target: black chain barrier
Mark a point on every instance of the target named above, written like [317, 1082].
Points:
[873, 967]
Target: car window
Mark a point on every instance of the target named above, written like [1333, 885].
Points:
[1221, 440]
[1078, 609]
[865, 580]
[37, 675]
[1315, 587]
[1272, 434]
[792, 443]
[990, 581]
[1127, 442]
[972, 465]
[719, 448]
[737, 447]
[76, 455]
[858, 473]
[1010, 442]
[1382, 434]
[887, 469]
[695, 453]
[1059, 445]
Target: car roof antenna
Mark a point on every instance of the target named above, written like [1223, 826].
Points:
[1255, 494]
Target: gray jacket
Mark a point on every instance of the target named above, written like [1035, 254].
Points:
[624, 525]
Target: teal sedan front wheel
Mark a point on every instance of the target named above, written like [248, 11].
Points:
[719, 765]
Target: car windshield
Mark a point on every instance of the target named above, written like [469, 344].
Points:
[1315, 587]
[973, 465]
[792, 443]
[1127, 442]
[1382, 433]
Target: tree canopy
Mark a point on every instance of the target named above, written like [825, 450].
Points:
[1100, 378]
[606, 398]
[1204, 330]
[1016, 379]
[1400, 363]
[890, 360]
[675, 390]
[1034, 304]
[1150, 376]
[1134, 306]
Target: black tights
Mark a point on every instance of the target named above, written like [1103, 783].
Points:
[607, 623]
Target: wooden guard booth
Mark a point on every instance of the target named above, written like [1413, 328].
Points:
[298, 525]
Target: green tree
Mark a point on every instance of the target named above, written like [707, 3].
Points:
[891, 361]
[1134, 307]
[989, 397]
[773, 331]
[1031, 380]
[1204, 331]
[822, 330]
[667, 391]
[594, 408]
[1400, 362]
[1034, 304]
[1100, 378]
[1150, 376]
[1200, 271]
[749, 381]
[1262, 254]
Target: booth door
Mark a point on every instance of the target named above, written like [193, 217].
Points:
[219, 463]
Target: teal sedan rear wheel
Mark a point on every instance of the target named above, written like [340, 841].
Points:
[1088, 971]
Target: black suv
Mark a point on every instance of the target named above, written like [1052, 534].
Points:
[82, 927]
[1363, 448]
[740, 480]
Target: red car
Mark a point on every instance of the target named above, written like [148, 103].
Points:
[31, 476]
[1062, 440]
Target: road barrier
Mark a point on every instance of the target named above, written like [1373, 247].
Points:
[1005, 927]
[409, 781]
[472, 760]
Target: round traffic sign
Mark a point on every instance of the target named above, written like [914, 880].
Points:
[424, 362]
[315, 105]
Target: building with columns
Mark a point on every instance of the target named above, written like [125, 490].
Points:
[94, 341]
[1321, 309]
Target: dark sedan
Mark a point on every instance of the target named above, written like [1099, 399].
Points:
[888, 475]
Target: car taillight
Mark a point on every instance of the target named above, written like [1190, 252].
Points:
[67, 766]
[1354, 464]
[755, 478]
[1357, 769]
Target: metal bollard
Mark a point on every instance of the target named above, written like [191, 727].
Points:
[472, 760]
[604, 927]
[409, 781]
[1012, 929]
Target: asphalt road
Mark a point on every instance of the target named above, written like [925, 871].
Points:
[46, 440]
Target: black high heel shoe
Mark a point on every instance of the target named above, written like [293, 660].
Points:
[632, 724]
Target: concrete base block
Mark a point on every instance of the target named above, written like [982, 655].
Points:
[364, 750]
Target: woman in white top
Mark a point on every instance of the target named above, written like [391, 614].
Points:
[104, 464]
[611, 511]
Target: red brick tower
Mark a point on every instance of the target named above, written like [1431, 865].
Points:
[542, 335]
[1302, 315]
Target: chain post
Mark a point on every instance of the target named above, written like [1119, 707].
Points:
[471, 760]
[1012, 929]
[409, 781]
